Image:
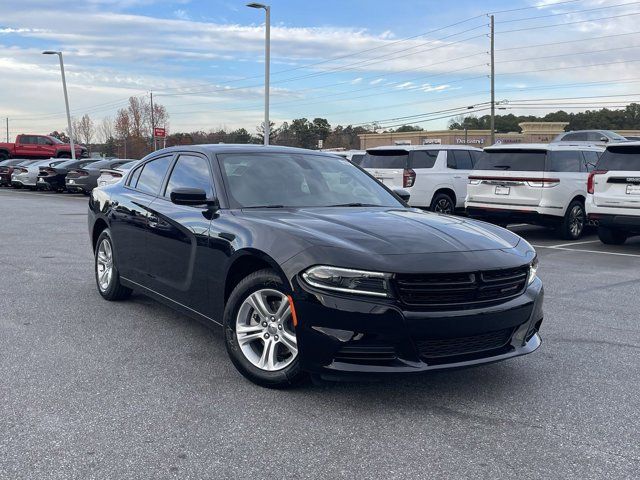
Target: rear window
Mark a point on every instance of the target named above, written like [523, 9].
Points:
[385, 159]
[565, 161]
[357, 158]
[620, 158]
[424, 158]
[512, 160]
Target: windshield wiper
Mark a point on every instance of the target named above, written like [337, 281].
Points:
[355, 204]
[266, 206]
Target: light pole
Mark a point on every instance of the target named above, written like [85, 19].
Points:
[267, 55]
[66, 100]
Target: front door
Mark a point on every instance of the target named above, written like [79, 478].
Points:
[179, 236]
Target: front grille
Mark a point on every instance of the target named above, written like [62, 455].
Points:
[461, 290]
[434, 349]
[366, 352]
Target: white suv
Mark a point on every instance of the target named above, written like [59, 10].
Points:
[533, 183]
[434, 175]
[614, 193]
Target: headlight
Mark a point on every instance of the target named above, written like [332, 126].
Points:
[533, 270]
[348, 281]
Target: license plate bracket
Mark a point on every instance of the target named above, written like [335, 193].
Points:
[633, 189]
[500, 190]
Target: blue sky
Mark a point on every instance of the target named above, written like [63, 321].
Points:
[352, 62]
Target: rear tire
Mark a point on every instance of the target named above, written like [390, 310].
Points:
[106, 272]
[442, 203]
[612, 236]
[283, 369]
[573, 222]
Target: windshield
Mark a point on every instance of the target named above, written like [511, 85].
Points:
[616, 137]
[385, 159]
[512, 160]
[55, 140]
[620, 158]
[299, 180]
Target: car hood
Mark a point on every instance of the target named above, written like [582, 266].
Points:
[385, 231]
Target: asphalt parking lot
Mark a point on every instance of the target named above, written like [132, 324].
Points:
[91, 389]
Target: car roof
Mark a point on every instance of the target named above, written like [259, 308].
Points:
[546, 146]
[218, 148]
[435, 146]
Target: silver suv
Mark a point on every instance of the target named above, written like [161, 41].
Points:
[593, 137]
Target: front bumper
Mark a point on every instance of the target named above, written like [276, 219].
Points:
[342, 335]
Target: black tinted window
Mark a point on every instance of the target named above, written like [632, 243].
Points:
[190, 172]
[152, 174]
[357, 158]
[385, 159]
[575, 137]
[28, 140]
[462, 159]
[620, 158]
[423, 158]
[591, 159]
[565, 161]
[43, 141]
[512, 160]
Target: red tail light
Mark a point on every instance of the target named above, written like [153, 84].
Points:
[408, 177]
[20, 170]
[590, 180]
[48, 171]
[116, 175]
[79, 173]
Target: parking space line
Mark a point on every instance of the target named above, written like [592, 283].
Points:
[574, 243]
[587, 251]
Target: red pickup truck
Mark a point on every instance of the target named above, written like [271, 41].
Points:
[39, 146]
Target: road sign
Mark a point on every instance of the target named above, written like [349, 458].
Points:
[159, 132]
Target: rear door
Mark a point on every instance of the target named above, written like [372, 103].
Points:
[387, 165]
[131, 216]
[619, 187]
[460, 161]
[513, 176]
[27, 146]
[568, 166]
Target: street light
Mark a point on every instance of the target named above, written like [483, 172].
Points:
[267, 55]
[66, 100]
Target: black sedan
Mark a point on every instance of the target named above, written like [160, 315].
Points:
[312, 266]
[84, 179]
[53, 178]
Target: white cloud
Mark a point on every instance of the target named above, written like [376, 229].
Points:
[356, 81]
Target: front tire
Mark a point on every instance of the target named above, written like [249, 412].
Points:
[611, 236]
[259, 333]
[573, 222]
[106, 272]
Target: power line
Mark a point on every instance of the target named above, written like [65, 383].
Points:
[572, 12]
[564, 24]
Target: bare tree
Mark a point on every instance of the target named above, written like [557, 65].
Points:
[106, 129]
[122, 128]
[85, 130]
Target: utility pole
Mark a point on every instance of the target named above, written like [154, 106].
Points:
[493, 85]
[153, 124]
[7, 129]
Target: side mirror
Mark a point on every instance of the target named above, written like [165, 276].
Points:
[402, 193]
[191, 196]
[604, 139]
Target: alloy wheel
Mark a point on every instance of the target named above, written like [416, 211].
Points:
[104, 264]
[576, 221]
[443, 206]
[265, 331]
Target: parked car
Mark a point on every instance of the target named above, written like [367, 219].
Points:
[632, 138]
[327, 272]
[53, 178]
[114, 175]
[39, 147]
[591, 137]
[533, 183]
[614, 193]
[84, 179]
[26, 176]
[6, 169]
[355, 156]
[434, 175]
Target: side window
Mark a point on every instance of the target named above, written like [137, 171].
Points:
[595, 136]
[575, 137]
[190, 171]
[475, 156]
[590, 159]
[28, 140]
[463, 159]
[565, 161]
[451, 160]
[423, 158]
[151, 175]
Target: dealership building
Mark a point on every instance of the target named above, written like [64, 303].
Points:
[531, 132]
